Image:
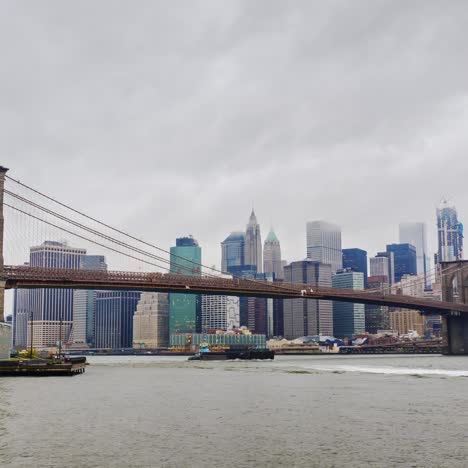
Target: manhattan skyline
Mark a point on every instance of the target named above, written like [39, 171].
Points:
[158, 156]
[245, 107]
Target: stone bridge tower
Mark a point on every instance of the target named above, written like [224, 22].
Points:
[5, 329]
[3, 171]
[455, 289]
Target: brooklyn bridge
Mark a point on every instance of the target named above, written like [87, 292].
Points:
[26, 203]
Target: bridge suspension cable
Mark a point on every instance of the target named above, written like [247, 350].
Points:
[419, 280]
[119, 231]
[111, 239]
[149, 258]
[414, 281]
[90, 230]
[83, 237]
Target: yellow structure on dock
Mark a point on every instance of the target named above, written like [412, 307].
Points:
[43, 367]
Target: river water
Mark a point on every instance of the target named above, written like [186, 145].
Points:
[330, 411]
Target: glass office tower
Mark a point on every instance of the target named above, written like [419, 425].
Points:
[356, 260]
[184, 309]
[404, 260]
[348, 317]
[114, 318]
[232, 251]
[450, 234]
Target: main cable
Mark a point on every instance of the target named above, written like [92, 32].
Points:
[142, 252]
[111, 227]
[93, 231]
[147, 243]
[257, 281]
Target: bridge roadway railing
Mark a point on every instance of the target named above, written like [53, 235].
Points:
[34, 277]
[23, 275]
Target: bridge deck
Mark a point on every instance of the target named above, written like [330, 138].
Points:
[30, 277]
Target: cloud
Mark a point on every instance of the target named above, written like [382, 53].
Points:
[175, 119]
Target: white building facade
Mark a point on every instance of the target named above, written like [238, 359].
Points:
[51, 309]
[379, 267]
[324, 244]
[219, 313]
[415, 234]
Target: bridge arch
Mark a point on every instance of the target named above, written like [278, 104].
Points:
[455, 289]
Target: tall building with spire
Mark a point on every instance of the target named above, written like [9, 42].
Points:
[272, 256]
[253, 244]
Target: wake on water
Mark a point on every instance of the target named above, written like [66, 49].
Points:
[392, 370]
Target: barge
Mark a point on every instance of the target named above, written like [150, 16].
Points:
[248, 354]
[43, 367]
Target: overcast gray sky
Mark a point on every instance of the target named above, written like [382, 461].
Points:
[169, 118]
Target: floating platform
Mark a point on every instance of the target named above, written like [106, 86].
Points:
[42, 367]
[234, 354]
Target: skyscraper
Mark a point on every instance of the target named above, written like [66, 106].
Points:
[84, 303]
[219, 313]
[348, 317]
[253, 311]
[114, 318]
[184, 309]
[52, 309]
[404, 321]
[377, 316]
[272, 256]
[278, 317]
[324, 244]
[450, 234]
[21, 315]
[379, 266]
[5, 340]
[232, 251]
[304, 317]
[356, 260]
[151, 321]
[186, 257]
[259, 314]
[253, 244]
[274, 265]
[404, 259]
[415, 234]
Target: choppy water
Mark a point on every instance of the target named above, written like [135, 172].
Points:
[331, 411]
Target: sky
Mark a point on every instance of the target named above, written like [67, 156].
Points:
[175, 118]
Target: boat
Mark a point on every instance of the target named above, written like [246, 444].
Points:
[231, 354]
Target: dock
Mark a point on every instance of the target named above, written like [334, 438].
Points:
[66, 366]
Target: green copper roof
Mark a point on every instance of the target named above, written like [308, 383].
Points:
[271, 237]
